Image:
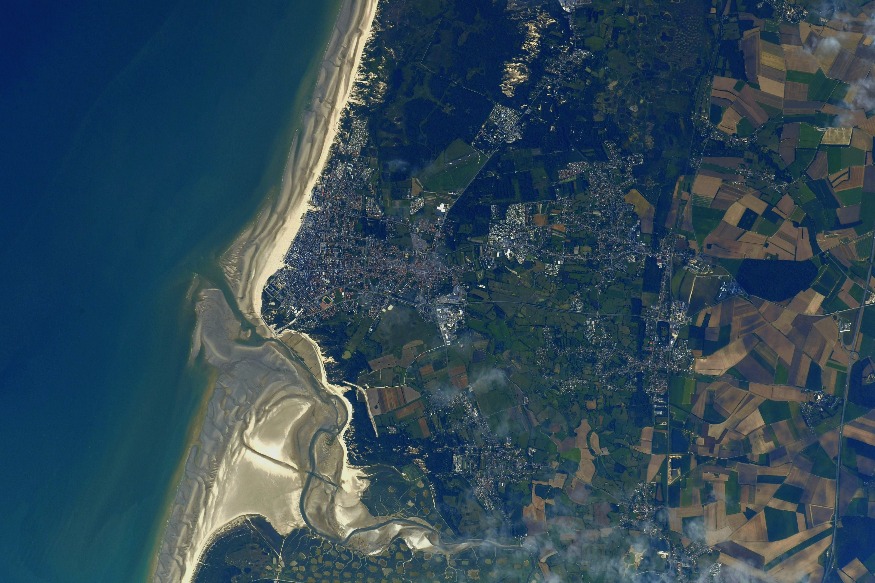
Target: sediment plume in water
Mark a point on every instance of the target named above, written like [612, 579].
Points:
[270, 445]
[271, 440]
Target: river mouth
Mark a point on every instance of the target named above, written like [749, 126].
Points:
[271, 445]
[144, 137]
[271, 442]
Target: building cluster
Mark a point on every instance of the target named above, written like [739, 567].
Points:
[513, 237]
[450, 313]
[641, 516]
[503, 126]
[347, 256]
[728, 289]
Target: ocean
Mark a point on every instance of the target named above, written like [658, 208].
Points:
[136, 139]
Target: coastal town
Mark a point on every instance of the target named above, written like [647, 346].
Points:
[593, 277]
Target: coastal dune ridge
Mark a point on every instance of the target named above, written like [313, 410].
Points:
[259, 250]
[273, 422]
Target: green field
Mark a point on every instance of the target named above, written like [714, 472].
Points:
[809, 136]
[453, 169]
[705, 220]
[774, 411]
[823, 465]
[780, 524]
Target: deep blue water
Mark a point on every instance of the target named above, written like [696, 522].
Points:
[135, 140]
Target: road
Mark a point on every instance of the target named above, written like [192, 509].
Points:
[830, 563]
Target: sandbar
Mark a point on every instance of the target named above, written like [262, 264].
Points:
[271, 439]
[259, 251]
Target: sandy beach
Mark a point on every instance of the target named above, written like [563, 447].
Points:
[259, 250]
[273, 421]
[271, 444]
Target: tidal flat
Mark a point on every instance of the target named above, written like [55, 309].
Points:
[271, 445]
[271, 440]
[141, 138]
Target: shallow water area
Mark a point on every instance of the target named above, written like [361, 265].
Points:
[143, 140]
[270, 444]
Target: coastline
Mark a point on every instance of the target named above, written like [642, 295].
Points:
[217, 461]
[271, 445]
[259, 251]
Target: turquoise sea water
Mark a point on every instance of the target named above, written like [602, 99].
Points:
[136, 139]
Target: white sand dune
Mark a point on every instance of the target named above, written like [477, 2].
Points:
[268, 413]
